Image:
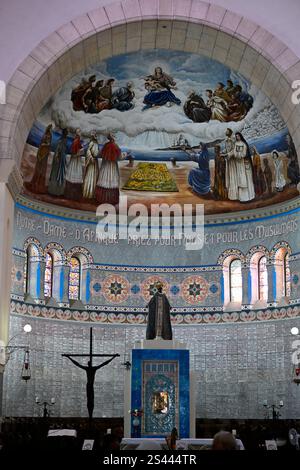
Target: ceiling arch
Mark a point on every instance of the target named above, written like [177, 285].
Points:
[131, 25]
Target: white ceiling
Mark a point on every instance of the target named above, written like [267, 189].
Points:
[24, 23]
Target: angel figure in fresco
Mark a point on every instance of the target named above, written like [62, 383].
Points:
[38, 182]
[159, 86]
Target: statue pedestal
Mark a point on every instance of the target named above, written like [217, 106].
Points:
[159, 391]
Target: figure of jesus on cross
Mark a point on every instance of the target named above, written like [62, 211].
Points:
[90, 371]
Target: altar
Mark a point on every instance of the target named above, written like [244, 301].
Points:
[181, 444]
[159, 391]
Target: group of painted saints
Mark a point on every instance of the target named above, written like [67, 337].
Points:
[230, 103]
[240, 174]
[93, 96]
[73, 180]
[224, 104]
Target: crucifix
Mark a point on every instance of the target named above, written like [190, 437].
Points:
[90, 371]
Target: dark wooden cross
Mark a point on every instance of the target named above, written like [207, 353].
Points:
[90, 371]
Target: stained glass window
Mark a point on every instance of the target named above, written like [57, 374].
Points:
[283, 274]
[74, 279]
[48, 275]
[262, 279]
[235, 275]
[32, 258]
[287, 275]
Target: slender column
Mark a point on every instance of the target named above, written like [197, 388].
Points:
[271, 283]
[245, 285]
[6, 228]
[40, 280]
[64, 283]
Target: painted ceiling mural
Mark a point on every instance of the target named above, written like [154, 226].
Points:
[160, 126]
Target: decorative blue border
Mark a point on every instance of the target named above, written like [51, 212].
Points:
[219, 224]
[134, 316]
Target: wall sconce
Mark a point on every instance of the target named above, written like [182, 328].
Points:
[45, 405]
[26, 373]
[275, 414]
[7, 350]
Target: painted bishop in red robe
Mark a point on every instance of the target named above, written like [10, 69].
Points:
[107, 190]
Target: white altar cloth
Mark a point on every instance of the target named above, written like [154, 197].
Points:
[181, 444]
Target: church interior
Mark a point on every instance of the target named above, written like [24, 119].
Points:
[127, 127]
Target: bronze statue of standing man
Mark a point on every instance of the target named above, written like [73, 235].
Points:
[159, 321]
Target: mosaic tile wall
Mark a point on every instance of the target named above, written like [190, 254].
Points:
[236, 366]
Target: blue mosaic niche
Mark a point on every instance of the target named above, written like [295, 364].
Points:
[155, 372]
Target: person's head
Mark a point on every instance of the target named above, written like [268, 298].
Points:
[93, 135]
[228, 132]
[209, 93]
[110, 137]
[158, 71]
[129, 85]
[217, 150]
[111, 443]
[99, 84]
[49, 128]
[275, 154]
[230, 83]
[118, 432]
[220, 86]
[202, 146]
[238, 136]
[92, 78]
[238, 88]
[78, 131]
[110, 81]
[159, 286]
[266, 163]
[191, 93]
[224, 440]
